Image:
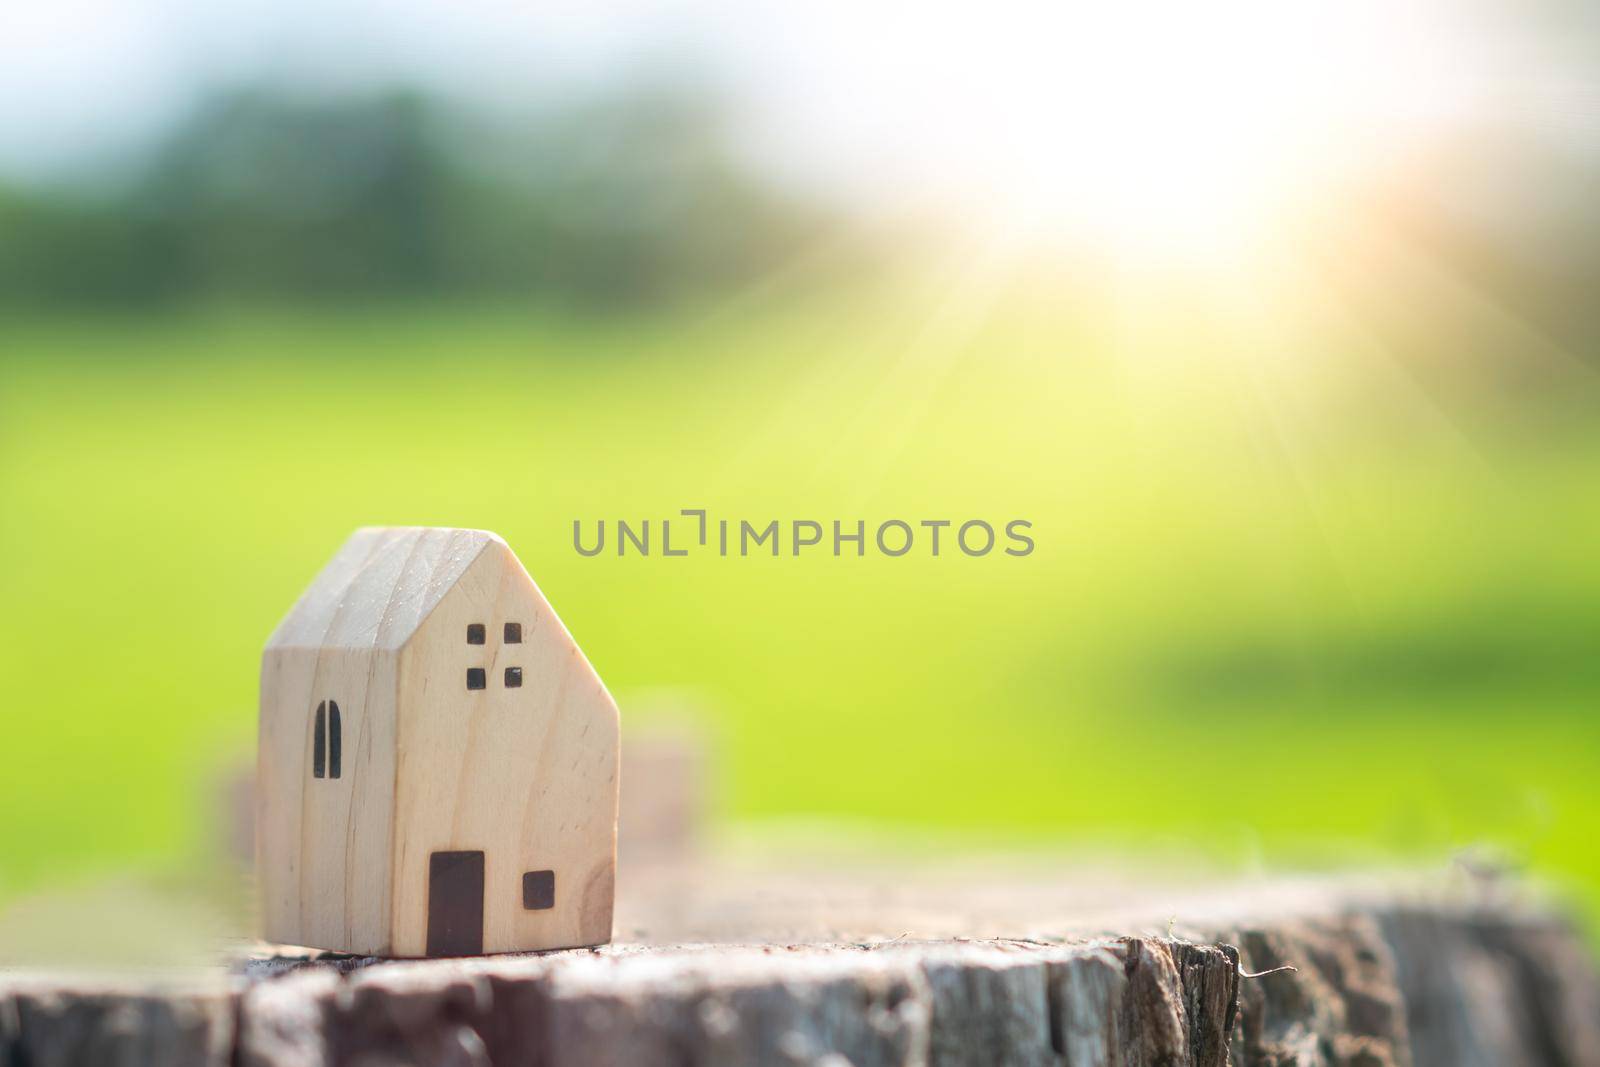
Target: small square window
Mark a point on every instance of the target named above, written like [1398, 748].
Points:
[513, 633]
[476, 678]
[539, 890]
[475, 633]
[513, 677]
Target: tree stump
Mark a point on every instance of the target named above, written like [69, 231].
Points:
[901, 968]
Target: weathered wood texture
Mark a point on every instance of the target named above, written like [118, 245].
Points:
[1398, 985]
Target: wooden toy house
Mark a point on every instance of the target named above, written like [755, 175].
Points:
[438, 761]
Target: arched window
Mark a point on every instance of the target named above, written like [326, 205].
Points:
[327, 741]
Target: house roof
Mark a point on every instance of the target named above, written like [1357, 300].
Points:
[380, 587]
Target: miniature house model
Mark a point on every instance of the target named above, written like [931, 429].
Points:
[438, 762]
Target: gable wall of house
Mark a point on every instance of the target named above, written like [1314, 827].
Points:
[522, 769]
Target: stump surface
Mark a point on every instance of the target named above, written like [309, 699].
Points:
[834, 965]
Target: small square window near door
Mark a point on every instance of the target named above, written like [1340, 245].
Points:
[476, 679]
[539, 890]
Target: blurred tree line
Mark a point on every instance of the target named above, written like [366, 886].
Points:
[627, 198]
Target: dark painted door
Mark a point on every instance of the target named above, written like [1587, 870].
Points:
[455, 904]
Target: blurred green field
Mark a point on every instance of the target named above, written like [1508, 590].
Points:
[1327, 609]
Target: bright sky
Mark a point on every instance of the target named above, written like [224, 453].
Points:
[80, 75]
[1185, 120]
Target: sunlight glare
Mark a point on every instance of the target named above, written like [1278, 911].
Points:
[1172, 130]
